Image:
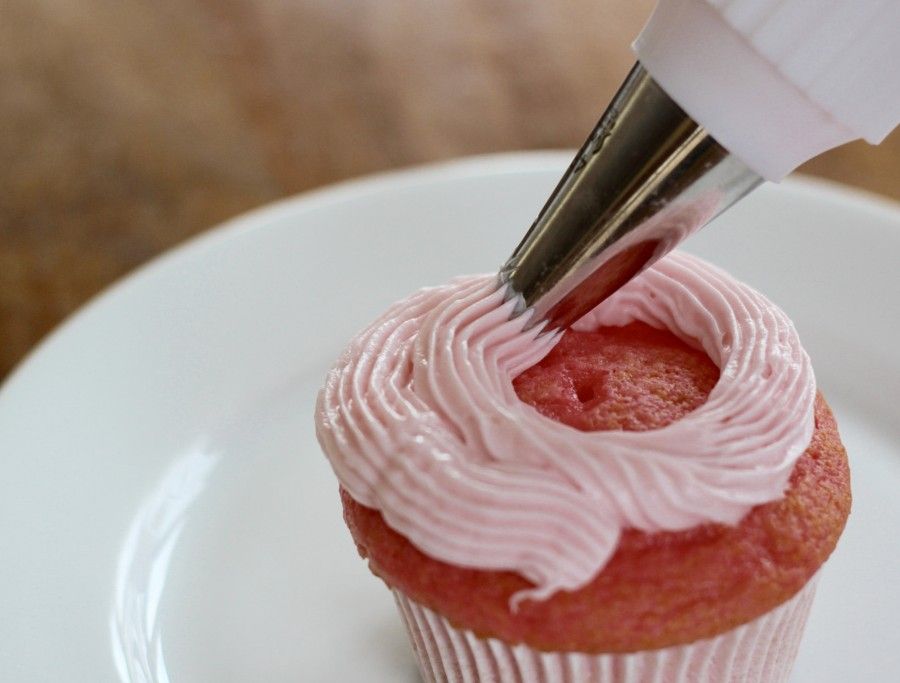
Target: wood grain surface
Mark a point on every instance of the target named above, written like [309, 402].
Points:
[127, 126]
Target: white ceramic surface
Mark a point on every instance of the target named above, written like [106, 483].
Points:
[166, 513]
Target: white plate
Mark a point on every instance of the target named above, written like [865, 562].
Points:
[167, 514]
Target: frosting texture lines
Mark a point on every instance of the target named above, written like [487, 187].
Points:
[420, 420]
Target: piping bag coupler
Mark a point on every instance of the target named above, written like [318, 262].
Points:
[726, 94]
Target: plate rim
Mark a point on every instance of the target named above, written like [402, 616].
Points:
[822, 190]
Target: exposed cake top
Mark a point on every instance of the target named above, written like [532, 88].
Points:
[420, 421]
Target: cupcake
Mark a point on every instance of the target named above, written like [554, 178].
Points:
[646, 497]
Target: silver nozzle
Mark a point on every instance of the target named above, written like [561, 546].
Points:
[647, 177]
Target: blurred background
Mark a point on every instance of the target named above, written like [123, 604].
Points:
[126, 126]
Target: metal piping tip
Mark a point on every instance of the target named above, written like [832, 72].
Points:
[646, 178]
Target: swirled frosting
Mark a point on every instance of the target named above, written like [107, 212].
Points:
[419, 419]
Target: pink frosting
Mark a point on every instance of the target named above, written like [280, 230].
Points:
[419, 420]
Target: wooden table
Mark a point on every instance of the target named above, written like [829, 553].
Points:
[126, 126]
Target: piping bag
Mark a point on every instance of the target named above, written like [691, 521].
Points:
[726, 94]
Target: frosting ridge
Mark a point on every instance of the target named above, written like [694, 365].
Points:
[420, 420]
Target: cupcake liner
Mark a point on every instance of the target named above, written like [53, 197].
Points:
[761, 651]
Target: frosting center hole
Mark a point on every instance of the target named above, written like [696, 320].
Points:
[631, 378]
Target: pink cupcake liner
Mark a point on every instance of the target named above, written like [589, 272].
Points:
[761, 651]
